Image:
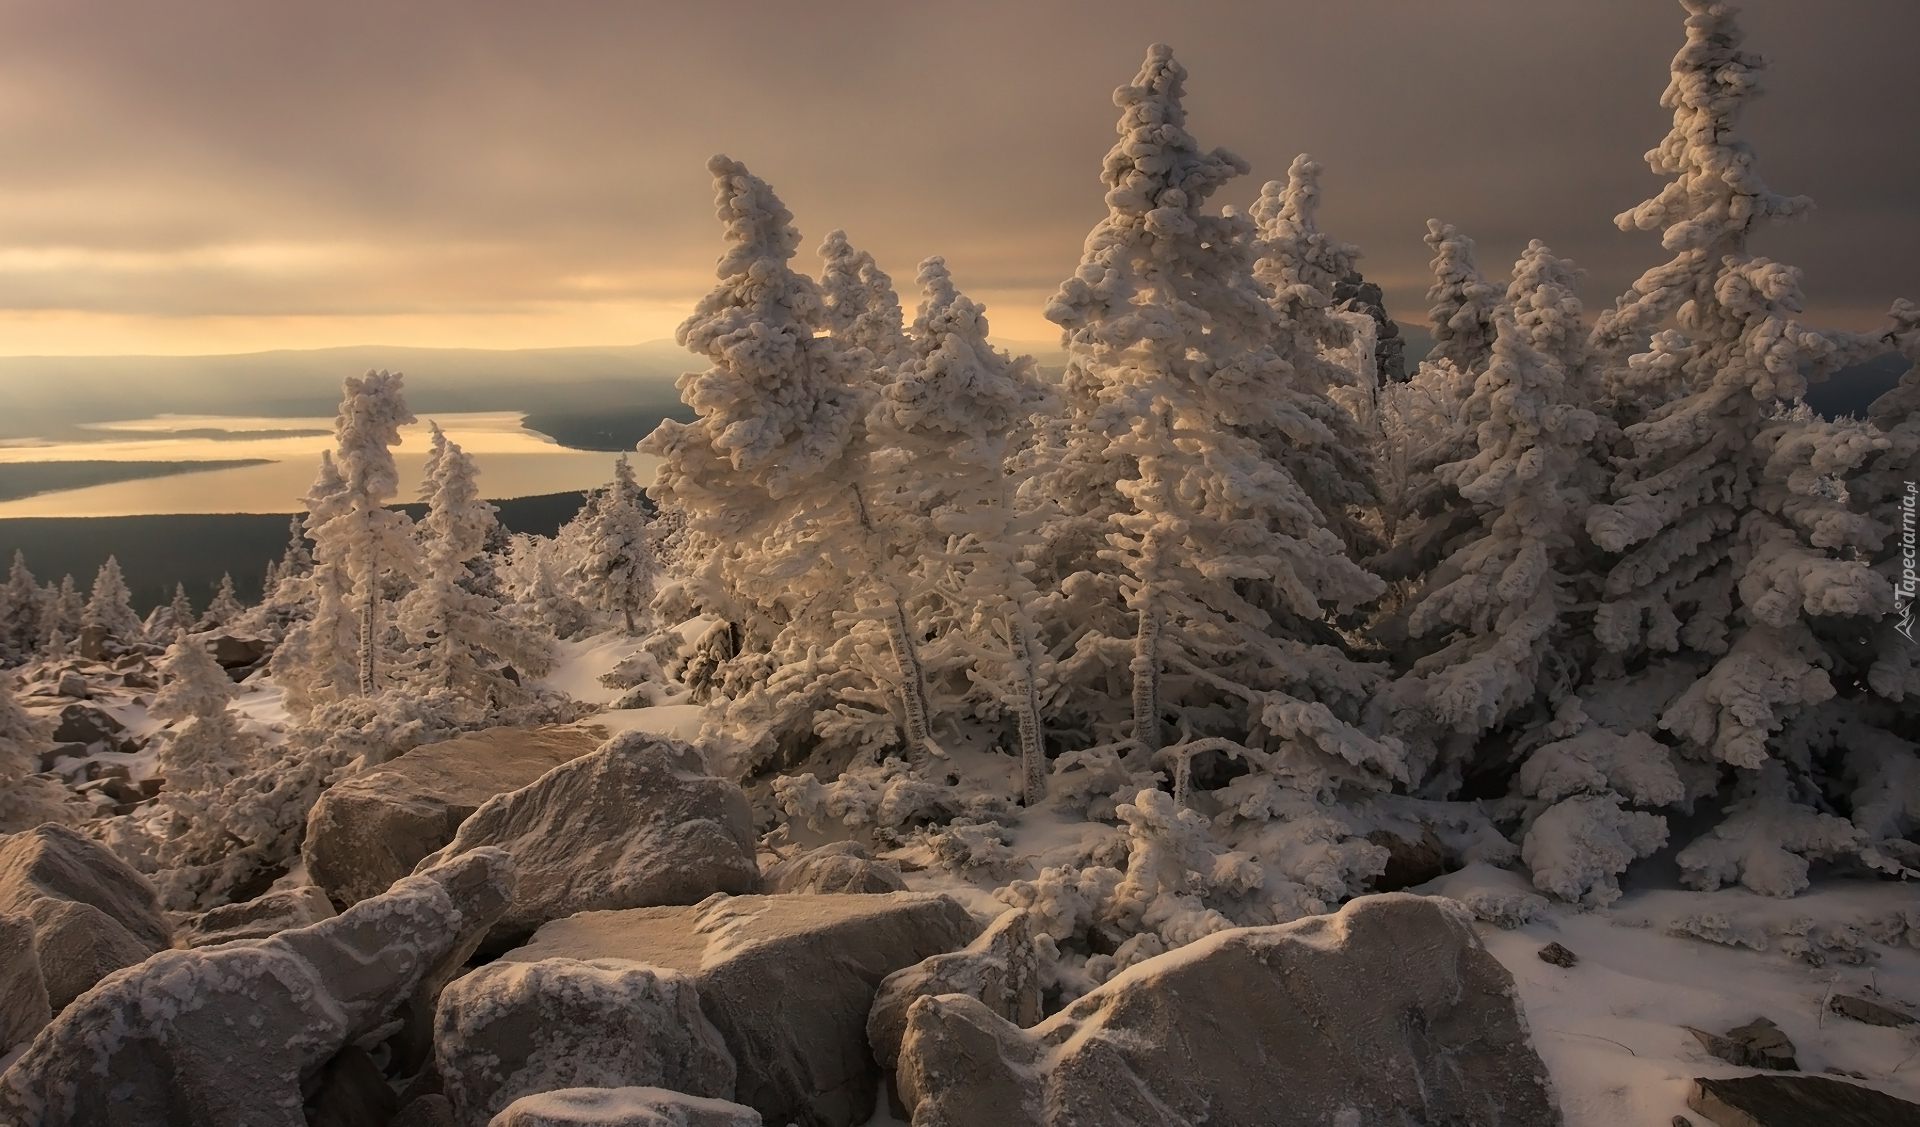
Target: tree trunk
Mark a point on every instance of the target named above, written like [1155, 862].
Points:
[913, 683]
[368, 620]
[1145, 667]
[1033, 751]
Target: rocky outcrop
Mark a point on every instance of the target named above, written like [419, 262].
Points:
[92, 913]
[787, 980]
[1001, 970]
[842, 866]
[623, 1107]
[1389, 1011]
[239, 1034]
[371, 830]
[23, 993]
[637, 823]
[258, 918]
[1797, 1101]
[513, 1029]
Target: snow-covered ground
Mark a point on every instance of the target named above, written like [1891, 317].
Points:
[1611, 1028]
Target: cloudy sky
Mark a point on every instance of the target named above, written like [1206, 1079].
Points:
[203, 176]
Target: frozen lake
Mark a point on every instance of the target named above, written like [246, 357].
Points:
[513, 462]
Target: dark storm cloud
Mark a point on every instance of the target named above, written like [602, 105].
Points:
[455, 159]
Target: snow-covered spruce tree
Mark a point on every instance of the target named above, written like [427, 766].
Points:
[1317, 436]
[464, 637]
[25, 604]
[62, 609]
[763, 474]
[181, 614]
[371, 543]
[1198, 570]
[1464, 301]
[109, 609]
[225, 606]
[1421, 423]
[861, 307]
[615, 569]
[1733, 544]
[941, 435]
[205, 746]
[1490, 612]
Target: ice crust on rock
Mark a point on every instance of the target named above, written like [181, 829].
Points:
[512, 1029]
[227, 1036]
[636, 823]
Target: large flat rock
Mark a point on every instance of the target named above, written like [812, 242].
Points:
[1387, 1012]
[636, 824]
[787, 980]
[373, 829]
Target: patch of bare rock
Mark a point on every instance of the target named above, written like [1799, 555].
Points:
[1389, 1011]
[371, 830]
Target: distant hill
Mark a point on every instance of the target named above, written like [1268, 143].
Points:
[156, 552]
[25, 479]
[50, 396]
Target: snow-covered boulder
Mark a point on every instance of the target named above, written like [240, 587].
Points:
[623, 1107]
[787, 980]
[1001, 969]
[371, 830]
[232, 1035]
[1389, 1011]
[636, 824]
[514, 1029]
[23, 992]
[92, 913]
[258, 918]
[841, 866]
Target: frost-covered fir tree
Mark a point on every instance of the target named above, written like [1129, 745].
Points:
[370, 543]
[1318, 436]
[861, 307]
[226, 605]
[204, 747]
[109, 607]
[1198, 565]
[941, 436]
[1493, 607]
[1463, 301]
[615, 569]
[181, 609]
[1422, 424]
[1733, 544]
[63, 608]
[25, 606]
[318, 660]
[464, 637]
[762, 471]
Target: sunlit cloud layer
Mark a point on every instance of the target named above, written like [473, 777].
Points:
[227, 176]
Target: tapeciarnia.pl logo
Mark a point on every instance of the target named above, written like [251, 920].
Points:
[1903, 591]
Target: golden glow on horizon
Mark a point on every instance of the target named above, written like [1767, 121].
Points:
[528, 325]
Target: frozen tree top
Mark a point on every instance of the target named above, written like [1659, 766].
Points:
[777, 400]
[1716, 197]
[371, 415]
